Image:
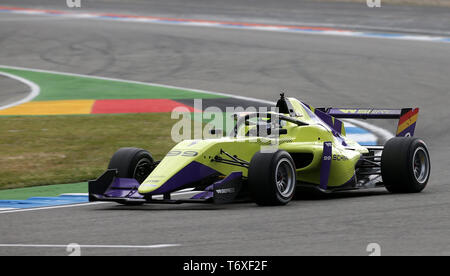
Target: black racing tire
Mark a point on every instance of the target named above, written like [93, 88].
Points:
[272, 178]
[405, 165]
[132, 163]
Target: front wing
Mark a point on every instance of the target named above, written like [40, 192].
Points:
[109, 187]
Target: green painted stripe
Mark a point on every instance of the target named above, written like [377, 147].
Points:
[44, 191]
[63, 87]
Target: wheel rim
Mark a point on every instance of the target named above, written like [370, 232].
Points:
[142, 170]
[421, 165]
[284, 177]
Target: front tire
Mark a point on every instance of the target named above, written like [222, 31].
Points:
[272, 178]
[405, 165]
[132, 163]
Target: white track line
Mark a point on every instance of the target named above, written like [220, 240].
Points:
[228, 25]
[22, 19]
[366, 28]
[12, 210]
[35, 90]
[139, 82]
[51, 207]
[92, 246]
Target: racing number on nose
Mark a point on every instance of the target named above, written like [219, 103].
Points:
[188, 153]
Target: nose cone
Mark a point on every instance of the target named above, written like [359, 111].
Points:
[166, 178]
[183, 165]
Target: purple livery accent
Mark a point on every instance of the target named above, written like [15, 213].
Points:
[218, 184]
[326, 165]
[308, 109]
[336, 127]
[203, 195]
[339, 137]
[351, 182]
[408, 132]
[209, 191]
[364, 113]
[327, 119]
[191, 173]
[123, 187]
[408, 119]
[323, 117]
[124, 183]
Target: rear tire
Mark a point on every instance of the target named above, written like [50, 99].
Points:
[272, 178]
[405, 165]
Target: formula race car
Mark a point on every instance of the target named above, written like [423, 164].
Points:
[268, 156]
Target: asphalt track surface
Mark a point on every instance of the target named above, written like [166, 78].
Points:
[412, 19]
[12, 90]
[321, 70]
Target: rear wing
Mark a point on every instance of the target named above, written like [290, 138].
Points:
[407, 116]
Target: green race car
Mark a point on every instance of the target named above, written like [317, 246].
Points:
[268, 157]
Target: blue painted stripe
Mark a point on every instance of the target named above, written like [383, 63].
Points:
[361, 135]
[35, 202]
[373, 143]
[355, 130]
[383, 35]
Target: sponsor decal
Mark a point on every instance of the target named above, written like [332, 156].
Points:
[338, 157]
[365, 111]
[226, 191]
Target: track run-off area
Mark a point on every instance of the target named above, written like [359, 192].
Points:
[342, 69]
[53, 93]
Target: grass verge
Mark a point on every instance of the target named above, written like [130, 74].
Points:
[56, 86]
[43, 150]
[43, 191]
